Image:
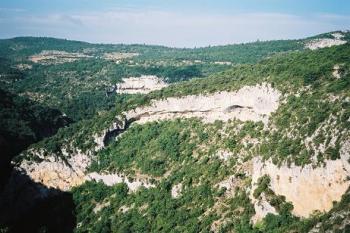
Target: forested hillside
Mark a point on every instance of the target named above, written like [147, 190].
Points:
[73, 76]
[245, 138]
[214, 193]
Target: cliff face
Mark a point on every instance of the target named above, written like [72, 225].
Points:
[55, 172]
[253, 103]
[308, 188]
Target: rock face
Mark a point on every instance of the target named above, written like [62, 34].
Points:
[176, 190]
[326, 42]
[309, 189]
[119, 126]
[54, 172]
[112, 179]
[336, 72]
[116, 56]
[140, 85]
[262, 207]
[250, 103]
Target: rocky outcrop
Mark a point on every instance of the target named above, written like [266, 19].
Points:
[336, 72]
[56, 57]
[53, 171]
[308, 188]
[176, 190]
[250, 103]
[68, 169]
[119, 125]
[116, 178]
[326, 42]
[140, 85]
[117, 56]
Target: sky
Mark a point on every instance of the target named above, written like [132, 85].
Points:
[175, 23]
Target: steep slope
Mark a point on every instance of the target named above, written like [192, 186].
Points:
[165, 167]
[23, 123]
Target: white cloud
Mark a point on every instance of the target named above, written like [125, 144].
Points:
[171, 28]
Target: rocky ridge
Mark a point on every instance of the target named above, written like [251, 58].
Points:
[326, 42]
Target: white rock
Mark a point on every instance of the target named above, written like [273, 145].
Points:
[336, 73]
[250, 103]
[309, 189]
[140, 85]
[54, 172]
[323, 43]
[116, 178]
[262, 208]
[176, 190]
[224, 155]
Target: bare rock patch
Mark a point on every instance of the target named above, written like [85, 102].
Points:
[140, 85]
[116, 178]
[176, 190]
[117, 56]
[326, 42]
[56, 57]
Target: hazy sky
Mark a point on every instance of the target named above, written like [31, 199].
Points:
[179, 23]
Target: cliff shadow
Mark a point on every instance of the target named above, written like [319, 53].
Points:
[27, 206]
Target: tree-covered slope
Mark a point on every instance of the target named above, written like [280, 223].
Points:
[185, 175]
[185, 151]
[130, 168]
[73, 76]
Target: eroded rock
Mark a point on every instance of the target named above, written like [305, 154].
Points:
[326, 42]
[176, 190]
[140, 85]
[116, 178]
[250, 103]
[308, 188]
[53, 171]
[56, 57]
[117, 56]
